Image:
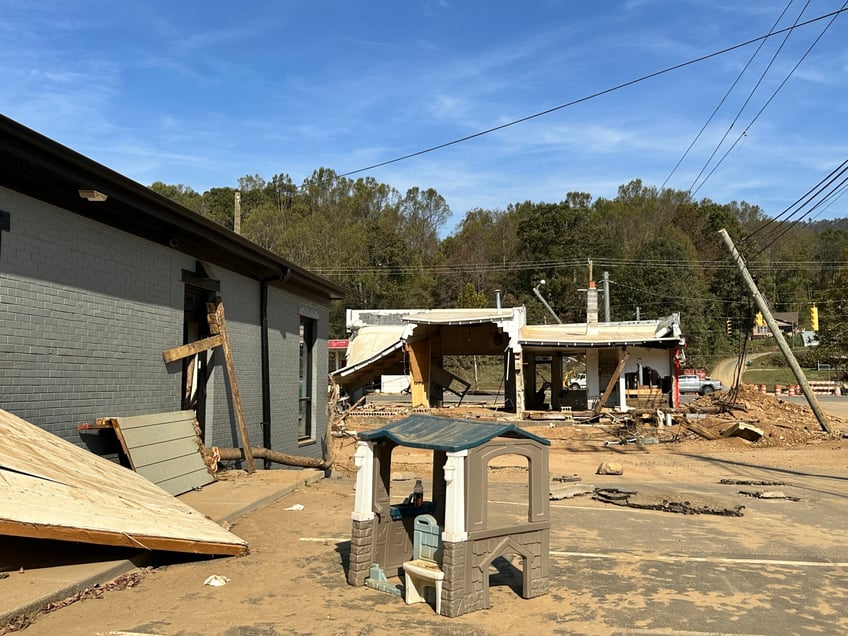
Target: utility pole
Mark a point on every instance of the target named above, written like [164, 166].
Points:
[606, 297]
[237, 213]
[775, 331]
[545, 302]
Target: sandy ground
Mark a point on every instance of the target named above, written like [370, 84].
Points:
[780, 568]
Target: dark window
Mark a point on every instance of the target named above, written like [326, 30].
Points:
[307, 349]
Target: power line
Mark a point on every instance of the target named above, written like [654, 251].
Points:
[743, 107]
[808, 195]
[779, 235]
[595, 95]
[777, 229]
[724, 98]
[548, 265]
[744, 133]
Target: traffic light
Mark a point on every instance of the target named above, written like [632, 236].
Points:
[728, 326]
[814, 318]
[758, 319]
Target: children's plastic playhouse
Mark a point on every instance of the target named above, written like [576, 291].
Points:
[442, 548]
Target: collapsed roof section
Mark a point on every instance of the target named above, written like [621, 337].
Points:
[381, 337]
[56, 490]
[373, 351]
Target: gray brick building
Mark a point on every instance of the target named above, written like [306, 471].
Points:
[93, 291]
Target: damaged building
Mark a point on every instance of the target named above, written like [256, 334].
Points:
[626, 364]
[100, 275]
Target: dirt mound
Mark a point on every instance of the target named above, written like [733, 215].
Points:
[783, 423]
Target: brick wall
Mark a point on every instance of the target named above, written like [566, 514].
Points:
[284, 313]
[86, 311]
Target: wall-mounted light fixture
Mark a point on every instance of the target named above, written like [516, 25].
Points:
[93, 195]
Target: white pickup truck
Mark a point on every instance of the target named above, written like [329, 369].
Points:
[578, 382]
[690, 383]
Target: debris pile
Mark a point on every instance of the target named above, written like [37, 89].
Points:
[782, 423]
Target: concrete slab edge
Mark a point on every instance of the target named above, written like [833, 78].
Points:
[230, 517]
[111, 571]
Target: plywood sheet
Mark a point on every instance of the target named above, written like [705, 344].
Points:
[52, 489]
[163, 447]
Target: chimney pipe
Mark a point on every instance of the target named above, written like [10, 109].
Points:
[498, 298]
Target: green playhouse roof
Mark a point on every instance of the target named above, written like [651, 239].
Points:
[446, 433]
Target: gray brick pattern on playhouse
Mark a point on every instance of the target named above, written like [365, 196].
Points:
[385, 536]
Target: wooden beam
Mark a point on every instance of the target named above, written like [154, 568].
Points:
[218, 326]
[615, 375]
[140, 541]
[120, 435]
[186, 350]
[419, 370]
[274, 456]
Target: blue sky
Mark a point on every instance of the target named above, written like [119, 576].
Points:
[201, 93]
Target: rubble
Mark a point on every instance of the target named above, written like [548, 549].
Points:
[768, 494]
[568, 492]
[651, 499]
[781, 423]
[743, 430]
[610, 468]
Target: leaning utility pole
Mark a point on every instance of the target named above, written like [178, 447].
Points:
[545, 302]
[775, 331]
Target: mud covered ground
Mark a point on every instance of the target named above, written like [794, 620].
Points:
[779, 568]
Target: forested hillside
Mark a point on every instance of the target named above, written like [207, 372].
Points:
[661, 249]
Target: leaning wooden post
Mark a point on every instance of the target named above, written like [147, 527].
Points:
[611, 384]
[218, 326]
[775, 331]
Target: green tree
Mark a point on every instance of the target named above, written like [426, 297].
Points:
[264, 226]
[470, 298]
[182, 194]
[481, 250]
[560, 238]
[424, 212]
[218, 204]
[833, 321]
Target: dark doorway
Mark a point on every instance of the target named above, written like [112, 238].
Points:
[196, 368]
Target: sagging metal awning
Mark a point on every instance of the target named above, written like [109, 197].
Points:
[373, 349]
